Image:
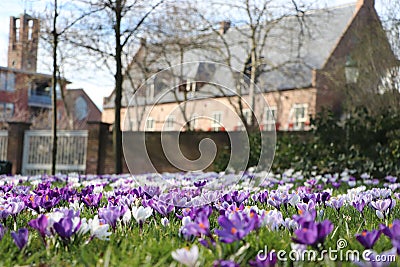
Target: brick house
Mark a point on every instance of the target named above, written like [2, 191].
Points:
[25, 94]
[336, 55]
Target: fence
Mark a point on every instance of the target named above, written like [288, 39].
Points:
[71, 152]
[3, 144]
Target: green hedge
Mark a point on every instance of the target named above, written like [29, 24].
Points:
[363, 142]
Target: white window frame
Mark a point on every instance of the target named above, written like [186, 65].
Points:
[150, 126]
[216, 123]
[269, 123]
[247, 116]
[5, 107]
[169, 123]
[194, 121]
[7, 81]
[299, 123]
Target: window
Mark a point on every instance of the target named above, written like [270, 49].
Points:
[17, 26]
[6, 110]
[150, 124]
[30, 29]
[216, 121]
[299, 116]
[58, 91]
[269, 118]
[169, 123]
[247, 115]
[7, 81]
[81, 108]
[194, 122]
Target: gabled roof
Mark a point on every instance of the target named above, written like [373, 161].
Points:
[292, 49]
[94, 113]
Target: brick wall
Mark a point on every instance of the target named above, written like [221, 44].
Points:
[283, 101]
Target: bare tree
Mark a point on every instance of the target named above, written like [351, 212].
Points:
[108, 34]
[53, 32]
[248, 51]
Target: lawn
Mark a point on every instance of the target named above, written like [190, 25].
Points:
[183, 220]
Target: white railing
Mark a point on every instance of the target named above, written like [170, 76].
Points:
[3, 145]
[71, 152]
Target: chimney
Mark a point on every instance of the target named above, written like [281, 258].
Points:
[224, 26]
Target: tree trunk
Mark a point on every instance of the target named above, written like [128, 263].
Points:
[54, 92]
[117, 133]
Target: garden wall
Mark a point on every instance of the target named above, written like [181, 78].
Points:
[100, 154]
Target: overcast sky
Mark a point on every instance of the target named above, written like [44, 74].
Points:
[94, 86]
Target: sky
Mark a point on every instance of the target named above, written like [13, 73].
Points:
[96, 83]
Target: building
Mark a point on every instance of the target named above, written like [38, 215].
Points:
[341, 50]
[25, 94]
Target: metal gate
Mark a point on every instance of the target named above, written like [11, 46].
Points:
[71, 152]
[3, 145]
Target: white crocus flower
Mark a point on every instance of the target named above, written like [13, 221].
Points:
[186, 257]
[294, 200]
[186, 220]
[127, 216]
[84, 228]
[141, 214]
[164, 222]
[53, 217]
[76, 205]
[98, 229]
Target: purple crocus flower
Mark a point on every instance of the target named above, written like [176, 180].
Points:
[110, 216]
[396, 244]
[40, 224]
[381, 207]
[336, 184]
[359, 205]
[391, 179]
[33, 202]
[200, 183]
[2, 231]
[336, 203]
[392, 230]
[6, 188]
[162, 208]
[4, 212]
[225, 263]
[20, 238]
[235, 228]
[240, 197]
[305, 216]
[201, 226]
[312, 233]
[92, 200]
[15, 207]
[263, 260]
[65, 228]
[368, 239]
[302, 207]
[48, 201]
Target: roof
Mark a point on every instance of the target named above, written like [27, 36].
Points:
[94, 113]
[31, 73]
[292, 49]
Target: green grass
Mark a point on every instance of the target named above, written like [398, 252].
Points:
[153, 246]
